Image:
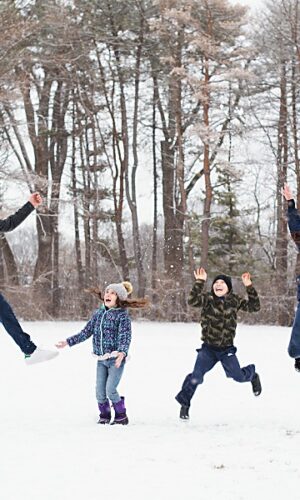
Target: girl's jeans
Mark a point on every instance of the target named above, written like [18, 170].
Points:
[207, 357]
[294, 345]
[13, 327]
[108, 378]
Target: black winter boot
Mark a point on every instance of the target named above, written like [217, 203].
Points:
[256, 385]
[184, 412]
[297, 364]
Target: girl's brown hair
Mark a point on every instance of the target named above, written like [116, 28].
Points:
[132, 303]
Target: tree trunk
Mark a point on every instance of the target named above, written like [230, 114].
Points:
[131, 197]
[10, 262]
[206, 169]
[155, 197]
[79, 265]
[281, 237]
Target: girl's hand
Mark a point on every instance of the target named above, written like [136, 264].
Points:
[61, 344]
[287, 193]
[200, 274]
[119, 359]
[246, 279]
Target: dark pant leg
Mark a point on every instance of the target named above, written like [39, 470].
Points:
[294, 344]
[205, 361]
[13, 327]
[232, 367]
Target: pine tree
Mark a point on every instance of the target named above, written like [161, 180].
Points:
[231, 238]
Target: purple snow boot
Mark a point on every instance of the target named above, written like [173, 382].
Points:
[105, 414]
[120, 412]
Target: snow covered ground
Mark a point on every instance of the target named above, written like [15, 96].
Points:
[235, 446]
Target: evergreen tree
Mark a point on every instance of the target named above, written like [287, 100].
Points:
[231, 239]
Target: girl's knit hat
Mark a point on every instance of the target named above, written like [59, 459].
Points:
[121, 289]
[225, 278]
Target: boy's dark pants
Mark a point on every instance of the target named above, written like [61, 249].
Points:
[13, 327]
[207, 357]
[294, 345]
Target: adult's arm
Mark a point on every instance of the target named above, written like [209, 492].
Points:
[293, 218]
[16, 219]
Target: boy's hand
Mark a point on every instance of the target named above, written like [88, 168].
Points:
[200, 274]
[287, 193]
[35, 199]
[61, 344]
[246, 279]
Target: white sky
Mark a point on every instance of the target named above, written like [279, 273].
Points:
[252, 3]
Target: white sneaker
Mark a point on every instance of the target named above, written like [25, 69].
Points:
[40, 355]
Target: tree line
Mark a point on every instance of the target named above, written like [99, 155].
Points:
[192, 97]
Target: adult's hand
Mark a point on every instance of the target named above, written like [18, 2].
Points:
[35, 199]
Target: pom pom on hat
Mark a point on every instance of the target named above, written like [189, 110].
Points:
[128, 286]
[121, 289]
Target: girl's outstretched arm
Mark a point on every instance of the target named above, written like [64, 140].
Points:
[87, 332]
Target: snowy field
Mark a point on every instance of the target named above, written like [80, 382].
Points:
[235, 446]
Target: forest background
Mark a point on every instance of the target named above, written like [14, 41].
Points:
[159, 133]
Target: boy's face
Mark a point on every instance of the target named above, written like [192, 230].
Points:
[110, 298]
[220, 288]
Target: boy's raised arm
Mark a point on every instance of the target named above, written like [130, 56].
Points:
[253, 302]
[196, 296]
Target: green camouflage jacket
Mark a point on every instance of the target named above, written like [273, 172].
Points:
[219, 315]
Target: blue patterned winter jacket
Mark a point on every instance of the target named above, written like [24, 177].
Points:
[111, 330]
[294, 222]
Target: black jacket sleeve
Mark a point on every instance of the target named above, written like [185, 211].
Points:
[15, 220]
